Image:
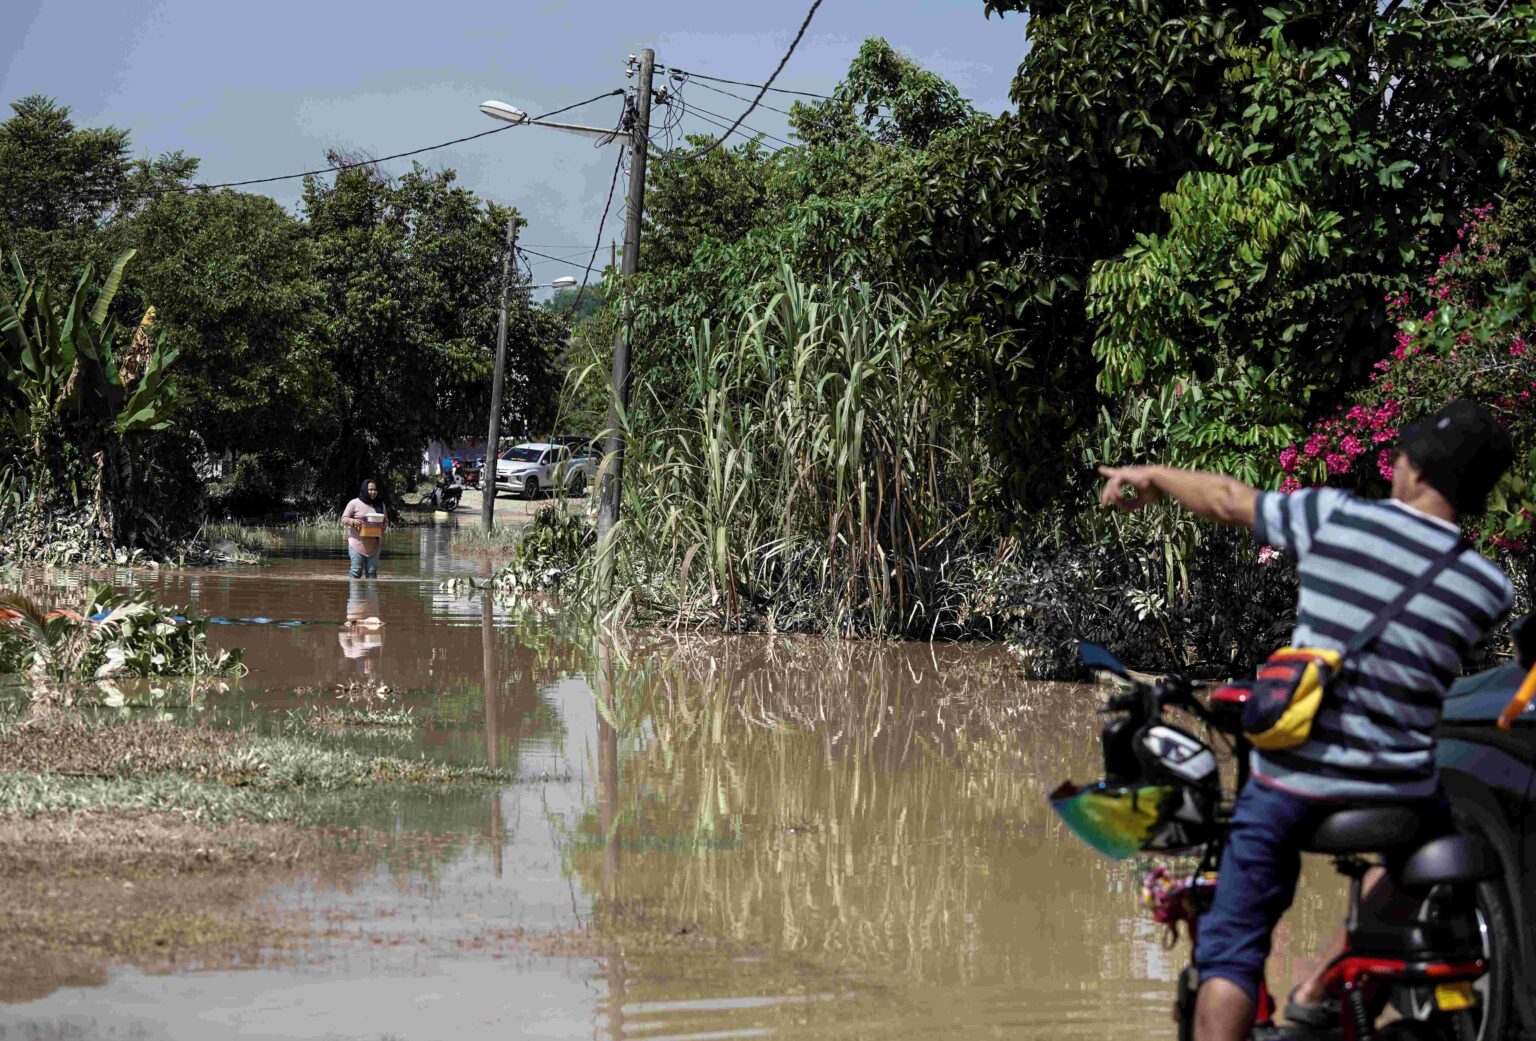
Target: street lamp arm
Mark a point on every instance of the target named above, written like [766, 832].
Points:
[516, 116]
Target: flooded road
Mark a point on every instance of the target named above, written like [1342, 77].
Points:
[788, 838]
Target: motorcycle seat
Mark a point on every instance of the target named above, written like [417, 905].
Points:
[1373, 829]
[1450, 859]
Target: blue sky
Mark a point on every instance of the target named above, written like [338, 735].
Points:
[255, 89]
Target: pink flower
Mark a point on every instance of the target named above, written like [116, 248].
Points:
[1384, 464]
[1517, 347]
[1267, 554]
[1351, 445]
[1338, 463]
[1315, 445]
[1288, 456]
[1358, 415]
[1289, 484]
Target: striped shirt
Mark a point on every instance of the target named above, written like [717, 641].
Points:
[1373, 738]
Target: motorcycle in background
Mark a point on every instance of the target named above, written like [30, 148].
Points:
[445, 495]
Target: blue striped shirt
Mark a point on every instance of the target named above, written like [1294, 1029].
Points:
[1373, 737]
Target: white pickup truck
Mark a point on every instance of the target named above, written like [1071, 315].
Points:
[537, 467]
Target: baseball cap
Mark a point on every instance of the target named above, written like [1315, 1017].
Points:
[1462, 451]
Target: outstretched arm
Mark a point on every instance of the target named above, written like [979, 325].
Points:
[1224, 500]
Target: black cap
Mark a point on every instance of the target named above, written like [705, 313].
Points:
[1462, 451]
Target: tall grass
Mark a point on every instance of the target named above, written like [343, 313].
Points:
[806, 481]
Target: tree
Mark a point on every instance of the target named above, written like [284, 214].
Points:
[410, 270]
[61, 187]
[231, 276]
[564, 300]
[1138, 142]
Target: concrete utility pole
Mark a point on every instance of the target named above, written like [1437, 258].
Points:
[488, 472]
[613, 461]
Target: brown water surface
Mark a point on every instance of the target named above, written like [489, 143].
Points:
[779, 837]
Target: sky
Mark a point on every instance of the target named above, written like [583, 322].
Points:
[258, 89]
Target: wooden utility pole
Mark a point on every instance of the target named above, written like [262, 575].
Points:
[488, 471]
[613, 456]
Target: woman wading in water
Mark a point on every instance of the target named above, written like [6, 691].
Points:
[364, 548]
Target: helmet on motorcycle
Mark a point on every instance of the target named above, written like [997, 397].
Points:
[1119, 820]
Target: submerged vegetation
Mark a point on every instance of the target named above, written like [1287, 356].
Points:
[106, 635]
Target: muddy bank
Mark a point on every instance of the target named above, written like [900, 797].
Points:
[83, 891]
[146, 843]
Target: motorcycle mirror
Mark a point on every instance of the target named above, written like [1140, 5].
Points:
[1097, 657]
[1525, 641]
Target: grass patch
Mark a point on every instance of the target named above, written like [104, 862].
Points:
[72, 764]
[330, 719]
[498, 544]
[254, 539]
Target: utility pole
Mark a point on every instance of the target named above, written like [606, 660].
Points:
[488, 471]
[613, 461]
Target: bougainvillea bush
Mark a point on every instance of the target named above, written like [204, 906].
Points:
[1469, 331]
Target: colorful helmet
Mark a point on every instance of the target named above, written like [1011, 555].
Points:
[1119, 820]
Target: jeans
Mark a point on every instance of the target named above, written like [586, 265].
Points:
[1257, 878]
[362, 564]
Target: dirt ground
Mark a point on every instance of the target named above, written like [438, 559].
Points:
[112, 882]
[81, 891]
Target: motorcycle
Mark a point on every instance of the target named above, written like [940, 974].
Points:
[446, 495]
[1163, 794]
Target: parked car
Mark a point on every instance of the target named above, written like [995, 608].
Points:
[541, 466]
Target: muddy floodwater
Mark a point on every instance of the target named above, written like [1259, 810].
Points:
[740, 837]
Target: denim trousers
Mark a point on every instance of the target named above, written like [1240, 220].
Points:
[1256, 881]
[362, 564]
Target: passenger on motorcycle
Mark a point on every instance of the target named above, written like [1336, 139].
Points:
[1372, 741]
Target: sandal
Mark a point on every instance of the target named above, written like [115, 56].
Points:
[1324, 1013]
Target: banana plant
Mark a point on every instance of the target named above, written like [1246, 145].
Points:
[60, 360]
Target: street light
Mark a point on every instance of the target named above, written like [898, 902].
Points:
[512, 114]
[517, 117]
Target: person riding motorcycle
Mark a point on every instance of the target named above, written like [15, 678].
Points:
[1373, 741]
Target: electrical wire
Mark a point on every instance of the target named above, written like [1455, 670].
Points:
[766, 86]
[738, 97]
[545, 256]
[704, 114]
[367, 162]
[763, 86]
[576, 307]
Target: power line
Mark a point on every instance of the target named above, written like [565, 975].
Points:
[738, 97]
[764, 86]
[367, 162]
[545, 256]
[576, 307]
[704, 114]
[769, 85]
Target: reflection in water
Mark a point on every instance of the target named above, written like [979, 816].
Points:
[874, 814]
[362, 634]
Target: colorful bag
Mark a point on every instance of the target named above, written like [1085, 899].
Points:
[1285, 696]
[1293, 683]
